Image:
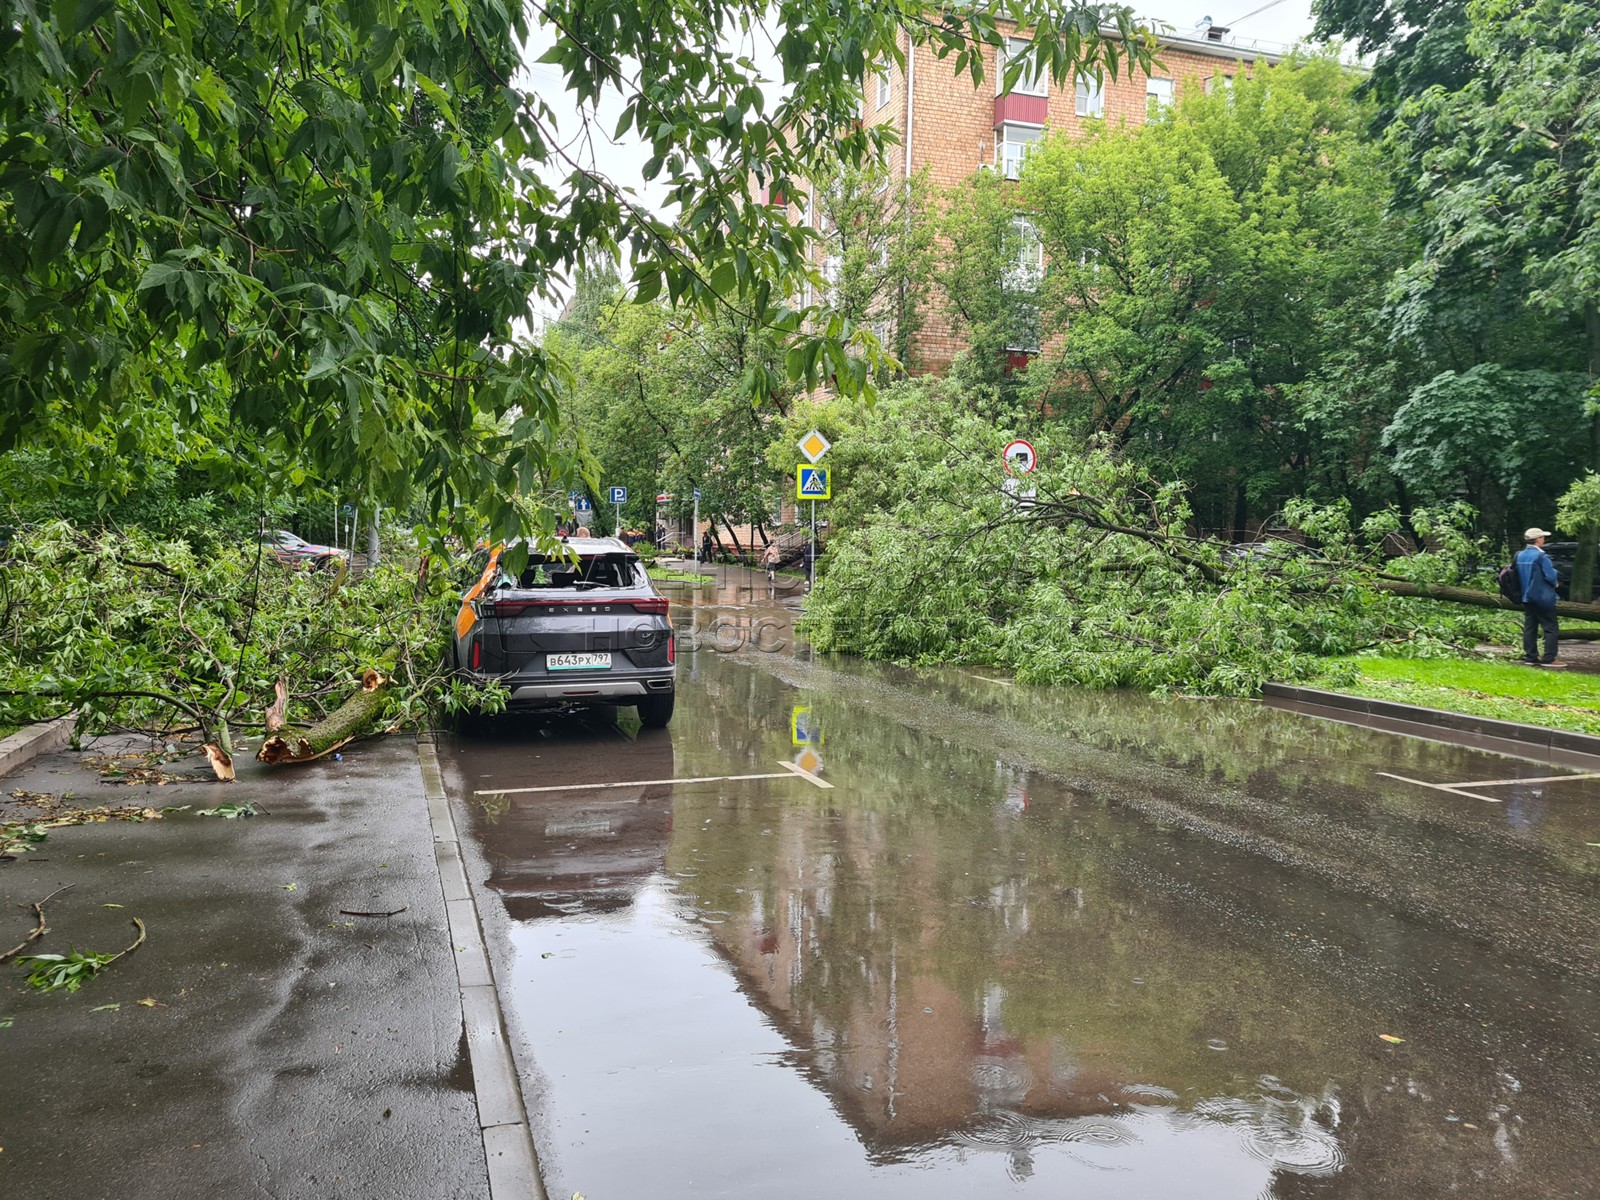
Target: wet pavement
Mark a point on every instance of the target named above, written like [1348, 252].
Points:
[1031, 942]
[265, 1040]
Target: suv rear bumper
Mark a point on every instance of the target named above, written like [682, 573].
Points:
[572, 689]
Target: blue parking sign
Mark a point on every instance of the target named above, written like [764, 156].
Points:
[619, 495]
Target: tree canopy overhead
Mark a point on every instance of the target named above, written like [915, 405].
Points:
[321, 222]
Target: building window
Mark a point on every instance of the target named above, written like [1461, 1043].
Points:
[1024, 256]
[1091, 100]
[1157, 97]
[883, 84]
[832, 265]
[1020, 277]
[1012, 144]
[1031, 82]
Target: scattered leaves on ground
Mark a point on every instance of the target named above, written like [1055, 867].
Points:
[229, 811]
[1391, 1039]
[53, 972]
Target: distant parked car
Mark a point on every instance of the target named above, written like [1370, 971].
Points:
[585, 629]
[293, 551]
[1564, 555]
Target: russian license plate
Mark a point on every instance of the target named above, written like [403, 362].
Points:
[578, 662]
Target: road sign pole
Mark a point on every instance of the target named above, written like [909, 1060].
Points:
[694, 531]
[811, 572]
[619, 521]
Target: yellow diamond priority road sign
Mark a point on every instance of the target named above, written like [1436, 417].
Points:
[812, 483]
[814, 446]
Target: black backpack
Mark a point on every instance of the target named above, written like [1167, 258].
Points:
[1511, 583]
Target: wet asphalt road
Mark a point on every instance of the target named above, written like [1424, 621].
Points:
[288, 1049]
[1030, 943]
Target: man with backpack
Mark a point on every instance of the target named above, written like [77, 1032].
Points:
[1537, 575]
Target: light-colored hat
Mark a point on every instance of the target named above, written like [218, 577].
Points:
[1536, 533]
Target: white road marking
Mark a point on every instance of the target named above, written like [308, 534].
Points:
[1442, 787]
[806, 775]
[1508, 782]
[577, 787]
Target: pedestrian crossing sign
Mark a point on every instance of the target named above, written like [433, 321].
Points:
[812, 483]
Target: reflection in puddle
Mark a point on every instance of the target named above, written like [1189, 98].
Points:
[1056, 945]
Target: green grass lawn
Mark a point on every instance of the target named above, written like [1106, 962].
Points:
[1482, 687]
[668, 575]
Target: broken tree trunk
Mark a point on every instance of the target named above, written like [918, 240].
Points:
[1461, 595]
[350, 720]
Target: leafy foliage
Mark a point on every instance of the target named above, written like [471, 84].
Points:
[1203, 269]
[128, 627]
[1099, 582]
[319, 225]
[63, 972]
[229, 812]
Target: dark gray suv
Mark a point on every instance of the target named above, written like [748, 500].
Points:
[584, 628]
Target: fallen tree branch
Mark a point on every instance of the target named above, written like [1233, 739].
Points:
[39, 929]
[349, 721]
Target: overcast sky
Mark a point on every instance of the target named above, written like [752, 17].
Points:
[1277, 24]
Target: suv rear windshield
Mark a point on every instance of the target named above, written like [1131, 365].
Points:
[602, 570]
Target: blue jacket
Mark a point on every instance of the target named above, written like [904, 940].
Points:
[1538, 575]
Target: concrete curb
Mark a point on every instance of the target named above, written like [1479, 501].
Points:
[22, 747]
[1556, 746]
[507, 1139]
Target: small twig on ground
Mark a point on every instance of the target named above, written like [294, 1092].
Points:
[38, 932]
[350, 912]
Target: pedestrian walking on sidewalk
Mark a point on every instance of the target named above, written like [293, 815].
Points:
[1538, 577]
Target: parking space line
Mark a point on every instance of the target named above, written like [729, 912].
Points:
[1509, 782]
[588, 787]
[1442, 787]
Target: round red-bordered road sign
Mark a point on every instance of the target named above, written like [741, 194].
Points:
[1019, 457]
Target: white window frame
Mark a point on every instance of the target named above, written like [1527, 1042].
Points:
[1025, 271]
[1007, 163]
[1089, 96]
[885, 88]
[1158, 96]
[1035, 83]
[832, 267]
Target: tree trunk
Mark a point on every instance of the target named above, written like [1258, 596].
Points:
[1589, 539]
[349, 721]
[372, 540]
[1461, 595]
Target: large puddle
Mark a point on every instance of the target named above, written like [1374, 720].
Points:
[1031, 943]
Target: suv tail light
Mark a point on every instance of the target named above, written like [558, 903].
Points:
[654, 606]
[672, 648]
[477, 654]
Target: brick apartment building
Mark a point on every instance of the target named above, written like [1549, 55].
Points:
[954, 129]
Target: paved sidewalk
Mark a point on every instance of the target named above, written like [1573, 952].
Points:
[293, 1051]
